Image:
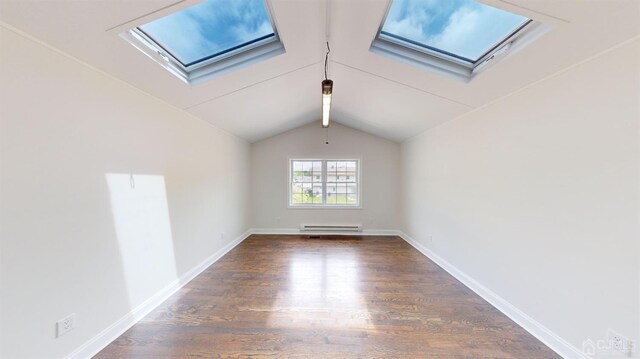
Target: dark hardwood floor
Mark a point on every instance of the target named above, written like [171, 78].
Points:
[349, 297]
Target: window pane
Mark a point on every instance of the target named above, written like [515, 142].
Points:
[352, 193]
[340, 171]
[351, 172]
[317, 171]
[317, 193]
[296, 193]
[307, 171]
[296, 168]
[307, 193]
[465, 29]
[342, 194]
[210, 28]
[332, 172]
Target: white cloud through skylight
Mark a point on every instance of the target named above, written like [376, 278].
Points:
[209, 28]
[461, 27]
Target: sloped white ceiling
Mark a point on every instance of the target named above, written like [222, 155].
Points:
[372, 93]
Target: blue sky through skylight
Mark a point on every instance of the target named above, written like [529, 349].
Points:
[210, 28]
[461, 27]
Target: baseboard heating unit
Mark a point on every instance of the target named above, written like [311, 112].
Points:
[330, 228]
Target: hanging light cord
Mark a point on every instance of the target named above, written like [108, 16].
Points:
[326, 60]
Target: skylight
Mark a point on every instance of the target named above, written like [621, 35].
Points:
[452, 36]
[210, 38]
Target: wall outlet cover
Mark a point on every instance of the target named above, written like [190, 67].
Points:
[65, 325]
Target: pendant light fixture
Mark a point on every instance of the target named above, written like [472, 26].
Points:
[327, 90]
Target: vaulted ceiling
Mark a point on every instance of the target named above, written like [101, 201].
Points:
[372, 93]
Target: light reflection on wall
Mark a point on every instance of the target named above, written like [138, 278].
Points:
[323, 291]
[141, 219]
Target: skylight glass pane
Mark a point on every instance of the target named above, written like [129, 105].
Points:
[464, 29]
[210, 28]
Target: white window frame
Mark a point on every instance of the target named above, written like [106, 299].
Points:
[324, 204]
[214, 67]
[450, 66]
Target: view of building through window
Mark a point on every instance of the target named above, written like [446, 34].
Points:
[324, 182]
[306, 186]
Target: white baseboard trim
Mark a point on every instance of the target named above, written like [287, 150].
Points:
[111, 333]
[549, 338]
[364, 232]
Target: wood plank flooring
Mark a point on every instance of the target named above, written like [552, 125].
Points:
[345, 297]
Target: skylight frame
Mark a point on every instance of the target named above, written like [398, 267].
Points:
[448, 64]
[214, 65]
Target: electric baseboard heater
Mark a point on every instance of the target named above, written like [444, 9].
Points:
[330, 228]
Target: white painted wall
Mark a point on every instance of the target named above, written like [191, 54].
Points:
[76, 238]
[537, 197]
[380, 175]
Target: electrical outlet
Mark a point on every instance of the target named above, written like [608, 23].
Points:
[65, 325]
[221, 235]
[620, 343]
[430, 238]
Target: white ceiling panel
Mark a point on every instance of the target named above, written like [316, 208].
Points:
[386, 108]
[269, 107]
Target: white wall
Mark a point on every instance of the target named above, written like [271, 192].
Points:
[380, 175]
[537, 197]
[76, 238]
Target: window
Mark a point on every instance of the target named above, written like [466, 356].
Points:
[209, 39]
[453, 37]
[326, 183]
